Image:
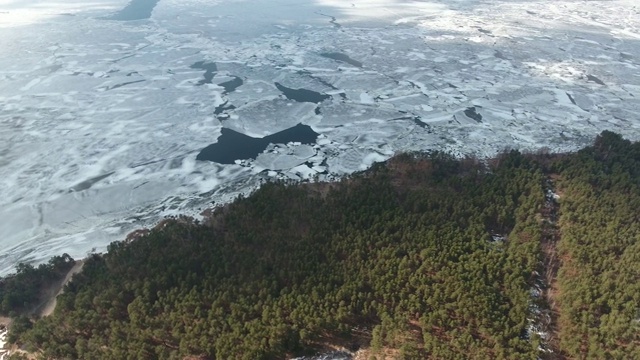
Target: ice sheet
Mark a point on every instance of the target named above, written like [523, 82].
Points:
[101, 120]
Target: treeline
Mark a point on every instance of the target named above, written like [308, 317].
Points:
[21, 292]
[424, 256]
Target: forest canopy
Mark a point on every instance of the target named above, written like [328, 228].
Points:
[21, 292]
[425, 256]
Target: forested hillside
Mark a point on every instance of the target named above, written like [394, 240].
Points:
[422, 257]
[600, 251]
[23, 291]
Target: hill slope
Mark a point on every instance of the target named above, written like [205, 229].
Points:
[424, 256]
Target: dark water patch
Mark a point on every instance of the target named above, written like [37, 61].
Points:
[573, 101]
[145, 163]
[473, 114]
[135, 10]
[210, 70]
[415, 119]
[312, 165]
[402, 117]
[414, 85]
[498, 54]
[626, 56]
[232, 85]
[123, 58]
[123, 84]
[140, 185]
[418, 121]
[302, 95]
[54, 68]
[232, 145]
[342, 57]
[333, 20]
[335, 23]
[175, 163]
[318, 79]
[317, 110]
[78, 73]
[87, 184]
[220, 109]
[325, 83]
[619, 118]
[595, 80]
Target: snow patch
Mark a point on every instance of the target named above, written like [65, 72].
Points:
[3, 342]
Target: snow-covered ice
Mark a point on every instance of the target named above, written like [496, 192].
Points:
[101, 120]
[3, 341]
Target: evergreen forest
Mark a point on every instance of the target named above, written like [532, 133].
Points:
[425, 256]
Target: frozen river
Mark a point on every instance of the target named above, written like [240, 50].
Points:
[106, 105]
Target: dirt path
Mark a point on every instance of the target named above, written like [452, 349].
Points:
[49, 305]
[551, 264]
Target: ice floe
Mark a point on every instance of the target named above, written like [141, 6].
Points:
[102, 115]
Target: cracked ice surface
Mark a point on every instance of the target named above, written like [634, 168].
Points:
[101, 120]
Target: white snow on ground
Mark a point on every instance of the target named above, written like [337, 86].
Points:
[27, 12]
[101, 120]
[3, 341]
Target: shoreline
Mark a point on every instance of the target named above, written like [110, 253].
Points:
[147, 261]
[383, 116]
